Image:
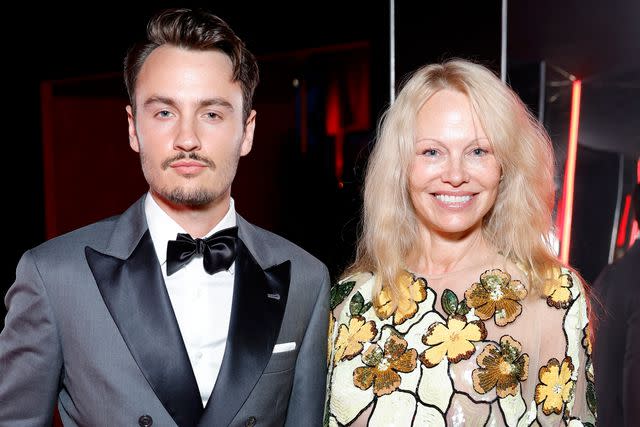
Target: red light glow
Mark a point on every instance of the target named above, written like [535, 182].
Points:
[570, 172]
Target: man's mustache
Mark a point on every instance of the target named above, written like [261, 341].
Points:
[191, 156]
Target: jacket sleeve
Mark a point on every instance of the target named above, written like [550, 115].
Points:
[30, 352]
[306, 404]
[631, 368]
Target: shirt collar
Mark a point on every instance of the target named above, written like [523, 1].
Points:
[163, 228]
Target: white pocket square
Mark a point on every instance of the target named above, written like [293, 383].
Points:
[285, 346]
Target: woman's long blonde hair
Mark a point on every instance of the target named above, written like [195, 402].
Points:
[520, 222]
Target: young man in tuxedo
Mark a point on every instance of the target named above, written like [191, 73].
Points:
[177, 312]
[616, 351]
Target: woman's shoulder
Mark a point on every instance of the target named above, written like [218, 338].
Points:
[562, 286]
[361, 282]
[581, 286]
[358, 277]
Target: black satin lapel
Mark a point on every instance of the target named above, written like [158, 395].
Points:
[259, 301]
[135, 294]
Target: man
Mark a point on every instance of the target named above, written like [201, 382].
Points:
[138, 319]
[616, 353]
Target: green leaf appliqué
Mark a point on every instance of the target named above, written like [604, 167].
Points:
[463, 308]
[357, 307]
[591, 397]
[339, 292]
[449, 301]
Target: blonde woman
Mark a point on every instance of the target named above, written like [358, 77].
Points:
[456, 312]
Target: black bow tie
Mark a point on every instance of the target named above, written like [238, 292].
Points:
[218, 251]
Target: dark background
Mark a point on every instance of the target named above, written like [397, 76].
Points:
[78, 52]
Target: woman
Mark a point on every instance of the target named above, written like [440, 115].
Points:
[456, 312]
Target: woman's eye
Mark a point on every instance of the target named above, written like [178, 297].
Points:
[430, 152]
[479, 152]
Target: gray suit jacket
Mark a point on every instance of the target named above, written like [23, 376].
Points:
[90, 323]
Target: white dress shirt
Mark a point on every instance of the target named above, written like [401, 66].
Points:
[201, 301]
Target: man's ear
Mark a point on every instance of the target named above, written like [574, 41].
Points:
[249, 128]
[133, 136]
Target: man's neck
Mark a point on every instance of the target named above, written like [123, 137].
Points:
[196, 220]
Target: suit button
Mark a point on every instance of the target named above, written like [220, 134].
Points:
[145, 421]
[251, 421]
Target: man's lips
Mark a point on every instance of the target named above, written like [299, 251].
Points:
[187, 167]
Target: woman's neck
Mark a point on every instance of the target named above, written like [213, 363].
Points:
[440, 254]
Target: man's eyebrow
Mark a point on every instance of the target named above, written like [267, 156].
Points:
[215, 101]
[159, 100]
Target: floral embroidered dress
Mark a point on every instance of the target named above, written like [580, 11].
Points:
[469, 348]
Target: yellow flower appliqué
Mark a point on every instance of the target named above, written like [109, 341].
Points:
[413, 290]
[453, 340]
[556, 386]
[383, 367]
[501, 367]
[350, 338]
[586, 340]
[496, 295]
[557, 288]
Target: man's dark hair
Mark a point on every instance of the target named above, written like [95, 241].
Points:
[194, 30]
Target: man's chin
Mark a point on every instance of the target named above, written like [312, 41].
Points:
[192, 198]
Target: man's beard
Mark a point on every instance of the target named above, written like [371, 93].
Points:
[193, 198]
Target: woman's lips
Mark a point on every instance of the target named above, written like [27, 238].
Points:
[454, 200]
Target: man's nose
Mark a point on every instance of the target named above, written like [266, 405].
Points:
[187, 138]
